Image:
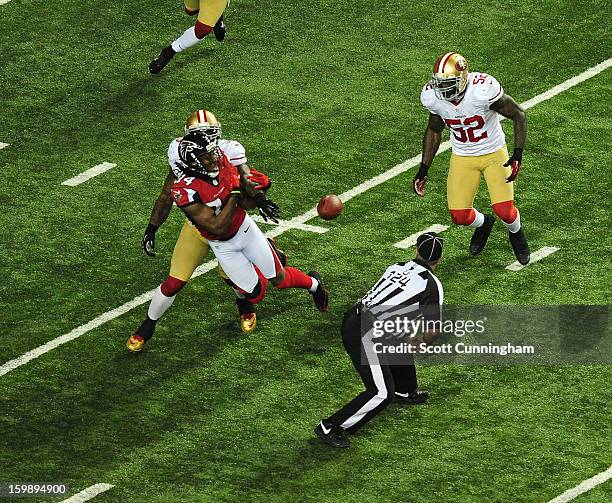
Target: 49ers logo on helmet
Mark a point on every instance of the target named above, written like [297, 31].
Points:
[461, 64]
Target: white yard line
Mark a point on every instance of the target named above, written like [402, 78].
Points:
[583, 487]
[411, 240]
[89, 493]
[2, 2]
[535, 257]
[90, 173]
[3, 145]
[276, 231]
[286, 223]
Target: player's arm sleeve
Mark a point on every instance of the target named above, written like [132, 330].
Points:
[494, 90]
[236, 153]
[184, 196]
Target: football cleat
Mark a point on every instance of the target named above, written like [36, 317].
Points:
[135, 343]
[220, 30]
[158, 64]
[520, 246]
[320, 296]
[332, 435]
[248, 321]
[450, 76]
[481, 234]
[413, 398]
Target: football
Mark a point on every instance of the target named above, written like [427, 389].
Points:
[330, 207]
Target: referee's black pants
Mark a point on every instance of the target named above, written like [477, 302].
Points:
[382, 381]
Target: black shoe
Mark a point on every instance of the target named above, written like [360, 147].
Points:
[481, 234]
[413, 398]
[219, 30]
[331, 435]
[520, 246]
[282, 256]
[320, 296]
[157, 65]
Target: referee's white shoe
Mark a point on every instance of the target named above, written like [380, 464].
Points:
[332, 435]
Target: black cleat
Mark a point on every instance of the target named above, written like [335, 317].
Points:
[332, 435]
[413, 398]
[520, 246]
[282, 256]
[158, 64]
[481, 234]
[220, 29]
[320, 296]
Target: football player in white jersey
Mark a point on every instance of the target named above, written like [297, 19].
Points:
[191, 248]
[469, 104]
[210, 18]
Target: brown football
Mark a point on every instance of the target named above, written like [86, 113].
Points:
[330, 207]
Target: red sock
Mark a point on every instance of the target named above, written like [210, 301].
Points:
[294, 278]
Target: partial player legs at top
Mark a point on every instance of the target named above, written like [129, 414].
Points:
[210, 19]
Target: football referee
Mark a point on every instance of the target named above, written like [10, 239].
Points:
[404, 287]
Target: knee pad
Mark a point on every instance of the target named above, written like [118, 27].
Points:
[201, 29]
[506, 211]
[463, 217]
[171, 286]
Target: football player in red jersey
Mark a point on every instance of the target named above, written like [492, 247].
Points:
[210, 19]
[210, 196]
[191, 247]
[469, 104]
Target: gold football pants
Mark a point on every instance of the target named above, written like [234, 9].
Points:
[464, 178]
[210, 10]
[190, 251]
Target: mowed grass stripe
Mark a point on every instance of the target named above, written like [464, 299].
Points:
[301, 219]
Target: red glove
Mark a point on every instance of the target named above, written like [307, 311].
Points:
[515, 163]
[419, 181]
[262, 181]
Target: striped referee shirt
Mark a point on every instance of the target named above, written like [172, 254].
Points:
[403, 290]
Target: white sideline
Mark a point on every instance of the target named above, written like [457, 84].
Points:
[3, 145]
[90, 173]
[276, 231]
[2, 2]
[583, 487]
[535, 257]
[89, 493]
[411, 240]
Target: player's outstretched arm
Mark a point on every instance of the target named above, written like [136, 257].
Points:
[510, 109]
[431, 143]
[204, 216]
[159, 214]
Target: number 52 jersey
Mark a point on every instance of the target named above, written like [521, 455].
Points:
[475, 128]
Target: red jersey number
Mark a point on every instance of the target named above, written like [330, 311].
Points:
[468, 133]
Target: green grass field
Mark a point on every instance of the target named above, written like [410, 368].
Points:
[324, 97]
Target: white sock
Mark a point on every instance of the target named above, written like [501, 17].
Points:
[516, 225]
[479, 220]
[314, 286]
[159, 304]
[186, 40]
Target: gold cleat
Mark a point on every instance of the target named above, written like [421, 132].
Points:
[248, 322]
[135, 343]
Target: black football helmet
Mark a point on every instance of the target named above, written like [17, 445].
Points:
[200, 153]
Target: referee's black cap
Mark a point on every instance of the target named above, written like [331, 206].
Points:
[429, 246]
